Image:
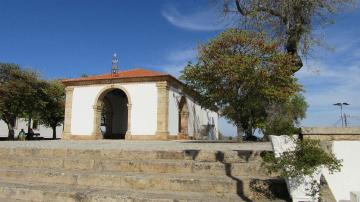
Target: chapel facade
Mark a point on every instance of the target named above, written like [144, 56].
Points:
[136, 104]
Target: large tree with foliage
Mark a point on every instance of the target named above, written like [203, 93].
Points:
[52, 114]
[241, 74]
[9, 110]
[290, 21]
[19, 94]
[34, 95]
[284, 118]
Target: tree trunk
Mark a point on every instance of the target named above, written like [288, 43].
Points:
[29, 123]
[266, 138]
[54, 133]
[240, 133]
[11, 133]
[249, 134]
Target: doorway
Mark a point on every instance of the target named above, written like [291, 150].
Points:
[114, 114]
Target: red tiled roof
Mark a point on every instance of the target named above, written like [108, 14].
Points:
[132, 73]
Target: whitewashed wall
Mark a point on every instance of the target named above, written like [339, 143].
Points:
[143, 98]
[173, 125]
[22, 124]
[198, 117]
[348, 180]
[82, 110]
[144, 108]
[3, 129]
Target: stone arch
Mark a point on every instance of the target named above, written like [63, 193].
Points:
[107, 111]
[98, 107]
[183, 121]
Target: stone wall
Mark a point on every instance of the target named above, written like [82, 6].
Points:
[331, 133]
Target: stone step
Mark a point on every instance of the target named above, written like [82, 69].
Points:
[146, 166]
[142, 181]
[11, 200]
[196, 155]
[20, 192]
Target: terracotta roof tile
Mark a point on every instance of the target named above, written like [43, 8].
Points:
[132, 73]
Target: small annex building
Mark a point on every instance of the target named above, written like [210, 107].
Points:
[136, 104]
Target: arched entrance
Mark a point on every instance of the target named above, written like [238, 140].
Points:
[183, 119]
[112, 114]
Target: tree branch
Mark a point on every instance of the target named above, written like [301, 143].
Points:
[259, 8]
[241, 10]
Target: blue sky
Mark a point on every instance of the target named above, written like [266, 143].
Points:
[66, 38]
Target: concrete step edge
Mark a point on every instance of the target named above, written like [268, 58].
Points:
[169, 161]
[197, 155]
[82, 192]
[11, 200]
[188, 176]
[145, 166]
[140, 181]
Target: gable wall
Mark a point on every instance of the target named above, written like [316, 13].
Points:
[143, 98]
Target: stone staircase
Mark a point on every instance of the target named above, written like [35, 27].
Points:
[44, 174]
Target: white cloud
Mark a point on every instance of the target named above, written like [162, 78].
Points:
[333, 83]
[174, 69]
[206, 19]
[176, 60]
[184, 55]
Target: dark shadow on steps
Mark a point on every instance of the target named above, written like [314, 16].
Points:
[272, 189]
[192, 153]
[246, 155]
[239, 183]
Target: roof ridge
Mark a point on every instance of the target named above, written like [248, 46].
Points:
[150, 70]
[134, 72]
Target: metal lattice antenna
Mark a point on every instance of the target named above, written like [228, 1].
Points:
[114, 66]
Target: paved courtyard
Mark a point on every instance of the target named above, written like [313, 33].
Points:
[137, 145]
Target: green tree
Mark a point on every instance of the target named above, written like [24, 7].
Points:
[243, 73]
[284, 118]
[34, 96]
[52, 114]
[290, 21]
[9, 111]
[303, 160]
[19, 92]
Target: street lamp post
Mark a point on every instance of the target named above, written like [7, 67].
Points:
[341, 104]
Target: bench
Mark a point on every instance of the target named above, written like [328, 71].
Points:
[35, 136]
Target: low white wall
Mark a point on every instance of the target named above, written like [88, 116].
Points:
[143, 98]
[22, 124]
[198, 117]
[3, 129]
[348, 180]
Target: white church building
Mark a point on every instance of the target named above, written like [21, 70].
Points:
[136, 104]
